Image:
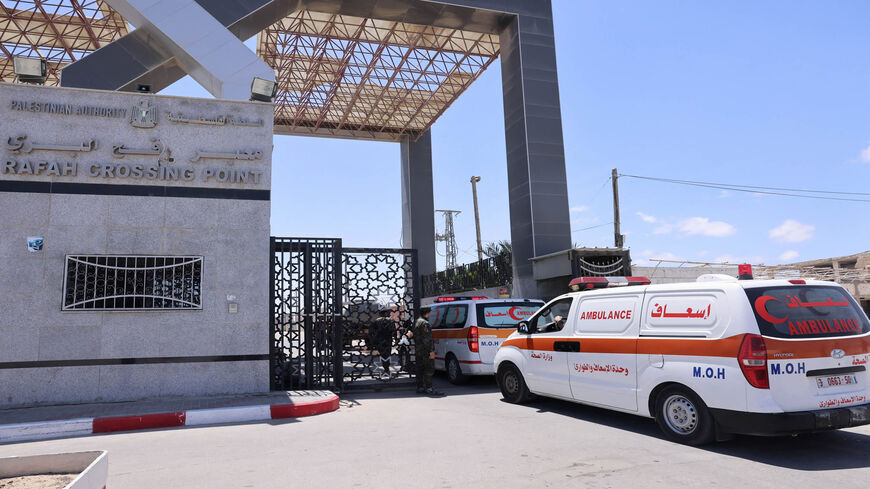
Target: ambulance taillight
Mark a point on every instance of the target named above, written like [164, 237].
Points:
[753, 361]
[472, 339]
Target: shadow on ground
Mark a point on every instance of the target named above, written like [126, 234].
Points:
[476, 385]
[828, 450]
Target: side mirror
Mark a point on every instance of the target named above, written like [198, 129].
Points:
[523, 327]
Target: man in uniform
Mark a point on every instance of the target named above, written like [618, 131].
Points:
[424, 349]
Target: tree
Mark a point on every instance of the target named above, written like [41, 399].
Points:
[493, 249]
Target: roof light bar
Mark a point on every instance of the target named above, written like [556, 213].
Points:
[588, 283]
[460, 298]
[744, 272]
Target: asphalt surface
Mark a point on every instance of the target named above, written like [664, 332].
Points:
[470, 438]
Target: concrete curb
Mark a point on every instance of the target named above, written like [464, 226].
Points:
[42, 430]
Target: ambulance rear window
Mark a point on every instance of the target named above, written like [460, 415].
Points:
[452, 316]
[806, 311]
[505, 314]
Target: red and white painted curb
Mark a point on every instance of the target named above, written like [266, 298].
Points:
[196, 417]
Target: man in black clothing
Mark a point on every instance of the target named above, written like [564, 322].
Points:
[383, 330]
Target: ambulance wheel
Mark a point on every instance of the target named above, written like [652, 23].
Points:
[683, 416]
[454, 373]
[513, 387]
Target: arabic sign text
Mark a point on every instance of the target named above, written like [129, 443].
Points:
[596, 368]
[661, 311]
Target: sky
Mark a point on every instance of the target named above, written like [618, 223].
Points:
[773, 94]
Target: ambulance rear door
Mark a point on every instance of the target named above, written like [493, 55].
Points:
[448, 332]
[436, 320]
[818, 345]
[497, 320]
[603, 370]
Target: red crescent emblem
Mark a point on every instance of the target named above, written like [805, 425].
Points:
[761, 309]
[511, 312]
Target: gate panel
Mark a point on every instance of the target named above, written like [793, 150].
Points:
[305, 319]
[325, 300]
[375, 279]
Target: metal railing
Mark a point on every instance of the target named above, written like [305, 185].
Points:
[761, 271]
[490, 272]
[601, 263]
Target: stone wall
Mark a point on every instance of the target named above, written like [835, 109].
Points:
[52, 356]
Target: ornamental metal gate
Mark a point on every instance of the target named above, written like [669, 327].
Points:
[378, 352]
[306, 313]
[326, 301]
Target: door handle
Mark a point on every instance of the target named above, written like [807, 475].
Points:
[567, 346]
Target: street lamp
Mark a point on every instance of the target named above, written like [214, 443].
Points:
[263, 90]
[474, 181]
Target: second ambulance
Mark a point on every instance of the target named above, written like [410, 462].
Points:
[705, 359]
[468, 331]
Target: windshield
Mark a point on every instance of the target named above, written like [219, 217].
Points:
[505, 314]
[805, 311]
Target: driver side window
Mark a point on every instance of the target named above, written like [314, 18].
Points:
[545, 320]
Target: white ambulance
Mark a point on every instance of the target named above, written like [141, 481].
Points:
[468, 331]
[705, 359]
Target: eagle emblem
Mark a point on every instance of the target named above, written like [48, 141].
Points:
[144, 116]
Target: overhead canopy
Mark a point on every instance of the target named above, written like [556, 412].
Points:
[361, 77]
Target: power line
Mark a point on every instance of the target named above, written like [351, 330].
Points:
[592, 227]
[747, 186]
[598, 192]
[753, 189]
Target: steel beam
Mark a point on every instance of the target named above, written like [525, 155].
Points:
[140, 58]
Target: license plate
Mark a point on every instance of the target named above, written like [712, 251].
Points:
[836, 381]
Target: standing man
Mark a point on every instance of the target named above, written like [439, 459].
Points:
[383, 330]
[424, 349]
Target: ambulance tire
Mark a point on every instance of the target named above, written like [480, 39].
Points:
[683, 416]
[454, 372]
[513, 386]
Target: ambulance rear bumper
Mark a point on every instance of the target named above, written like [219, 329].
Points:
[792, 422]
[476, 368]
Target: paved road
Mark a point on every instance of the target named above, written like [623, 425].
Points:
[468, 439]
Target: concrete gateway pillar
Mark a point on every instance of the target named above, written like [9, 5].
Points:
[418, 202]
[537, 180]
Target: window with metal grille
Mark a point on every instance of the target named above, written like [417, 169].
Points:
[125, 283]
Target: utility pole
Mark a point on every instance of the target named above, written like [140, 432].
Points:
[449, 237]
[474, 181]
[618, 238]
